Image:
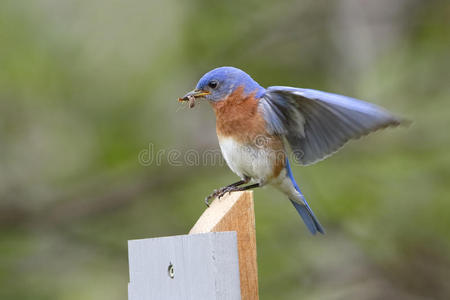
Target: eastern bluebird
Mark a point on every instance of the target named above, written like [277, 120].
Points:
[255, 124]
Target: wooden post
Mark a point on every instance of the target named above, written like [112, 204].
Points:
[206, 264]
[235, 212]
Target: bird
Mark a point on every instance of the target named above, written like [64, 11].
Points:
[257, 126]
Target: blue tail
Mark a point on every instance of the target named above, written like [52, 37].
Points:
[304, 210]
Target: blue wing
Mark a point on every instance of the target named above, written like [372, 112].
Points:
[316, 124]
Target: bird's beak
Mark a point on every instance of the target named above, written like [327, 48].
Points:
[193, 94]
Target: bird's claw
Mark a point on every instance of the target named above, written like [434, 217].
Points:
[211, 196]
[207, 199]
[218, 193]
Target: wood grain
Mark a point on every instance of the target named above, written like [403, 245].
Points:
[235, 212]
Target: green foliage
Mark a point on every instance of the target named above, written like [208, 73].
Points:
[85, 86]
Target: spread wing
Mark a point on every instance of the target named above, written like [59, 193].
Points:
[316, 124]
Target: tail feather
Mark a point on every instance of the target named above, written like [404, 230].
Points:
[308, 217]
[304, 210]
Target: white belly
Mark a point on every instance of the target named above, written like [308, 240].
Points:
[246, 161]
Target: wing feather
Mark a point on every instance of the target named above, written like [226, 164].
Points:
[316, 124]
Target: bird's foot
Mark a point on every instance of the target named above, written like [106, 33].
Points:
[225, 190]
[219, 193]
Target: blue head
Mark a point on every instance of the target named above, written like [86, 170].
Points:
[217, 84]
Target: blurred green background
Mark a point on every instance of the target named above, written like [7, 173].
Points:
[85, 86]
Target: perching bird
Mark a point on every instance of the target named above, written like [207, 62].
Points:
[254, 126]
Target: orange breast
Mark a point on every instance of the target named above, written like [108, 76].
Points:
[238, 117]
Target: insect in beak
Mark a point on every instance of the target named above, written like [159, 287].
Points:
[192, 95]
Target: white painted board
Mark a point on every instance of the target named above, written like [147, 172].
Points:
[204, 266]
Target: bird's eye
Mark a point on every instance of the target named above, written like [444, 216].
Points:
[213, 84]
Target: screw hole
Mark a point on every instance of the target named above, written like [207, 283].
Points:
[171, 271]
